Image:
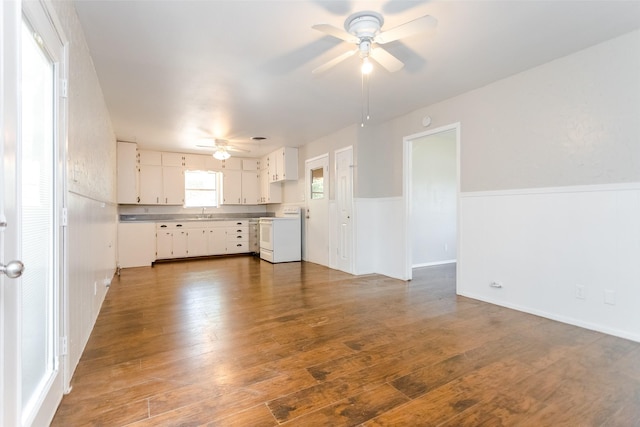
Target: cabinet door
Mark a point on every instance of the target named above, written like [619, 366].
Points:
[272, 166]
[212, 164]
[250, 188]
[180, 243]
[150, 181]
[172, 185]
[216, 241]
[164, 244]
[127, 173]
[195, 162]
[153, 158]
[234, 163]
[287, 164]
[197, 242]
[173, 159]
[232, 187]
[250, 164]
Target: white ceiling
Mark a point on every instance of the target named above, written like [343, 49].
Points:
[175, 71]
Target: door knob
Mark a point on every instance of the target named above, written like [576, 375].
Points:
[13, 269]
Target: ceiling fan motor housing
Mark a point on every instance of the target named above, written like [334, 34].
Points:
[364, 25]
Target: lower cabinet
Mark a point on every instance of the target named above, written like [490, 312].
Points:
[171, 240]
[136, 244]
[192, 239]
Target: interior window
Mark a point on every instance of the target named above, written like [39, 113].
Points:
[200, 189]
[317, 183]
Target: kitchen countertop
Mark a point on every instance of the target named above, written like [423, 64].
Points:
[190, 217]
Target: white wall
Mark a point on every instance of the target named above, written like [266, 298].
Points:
[541, 245]
[546, 158]
[91, 184]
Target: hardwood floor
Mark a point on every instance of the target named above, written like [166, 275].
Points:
[240, 342]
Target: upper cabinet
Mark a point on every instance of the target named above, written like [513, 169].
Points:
[283, 164]
[148, 177]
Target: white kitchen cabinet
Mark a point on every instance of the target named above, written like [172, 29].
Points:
[250, 164]
[150, 184]
[192, 239]
[171, 241]
[234, 163]
[283, 164]
[212, 164]
[172, 185]
[148, 157]
[216, 240]
[164, 243]
[127, 173]
[250, 187]
[270, 192]
[240, 187]
[197, 242]
[136, 244]
[232, 187]
[173, 159]
[195, 162]
[180, 245]
[238, 238]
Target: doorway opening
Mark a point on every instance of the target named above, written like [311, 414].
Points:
[432, 190]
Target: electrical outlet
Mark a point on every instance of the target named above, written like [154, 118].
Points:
[580, 292]
[610, 297]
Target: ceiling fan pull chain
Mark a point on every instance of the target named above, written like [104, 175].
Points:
[362, 99]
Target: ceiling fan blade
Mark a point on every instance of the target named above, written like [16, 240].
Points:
[407, 29]
[384, 58]
[205, 146]
[335, 61]
[336, 32]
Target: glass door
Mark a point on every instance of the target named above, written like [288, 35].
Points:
[31, 306]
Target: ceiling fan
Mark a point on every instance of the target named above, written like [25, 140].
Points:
[364, 29]
[221, 147]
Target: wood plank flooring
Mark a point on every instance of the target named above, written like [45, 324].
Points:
[241, 342]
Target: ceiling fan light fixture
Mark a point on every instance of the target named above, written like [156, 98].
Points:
[221, 154]
[367, 66]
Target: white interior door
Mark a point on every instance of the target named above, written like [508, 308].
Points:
[317, 210]
[344, 207]
[33, 121]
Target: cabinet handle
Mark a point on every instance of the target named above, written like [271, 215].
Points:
[166, 200]
[163, 226]
[238, 231]
[178, 225]
[238, 223]
[157, 199]
[238, 237]
[239, 245]
[138, 199]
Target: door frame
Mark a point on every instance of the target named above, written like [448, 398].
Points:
[407, 191]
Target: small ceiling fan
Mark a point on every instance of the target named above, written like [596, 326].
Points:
[364, 29]
[221, 147]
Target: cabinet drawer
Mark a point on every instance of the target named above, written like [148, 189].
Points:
[237, 247]
[160, 226]
[237, 237]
